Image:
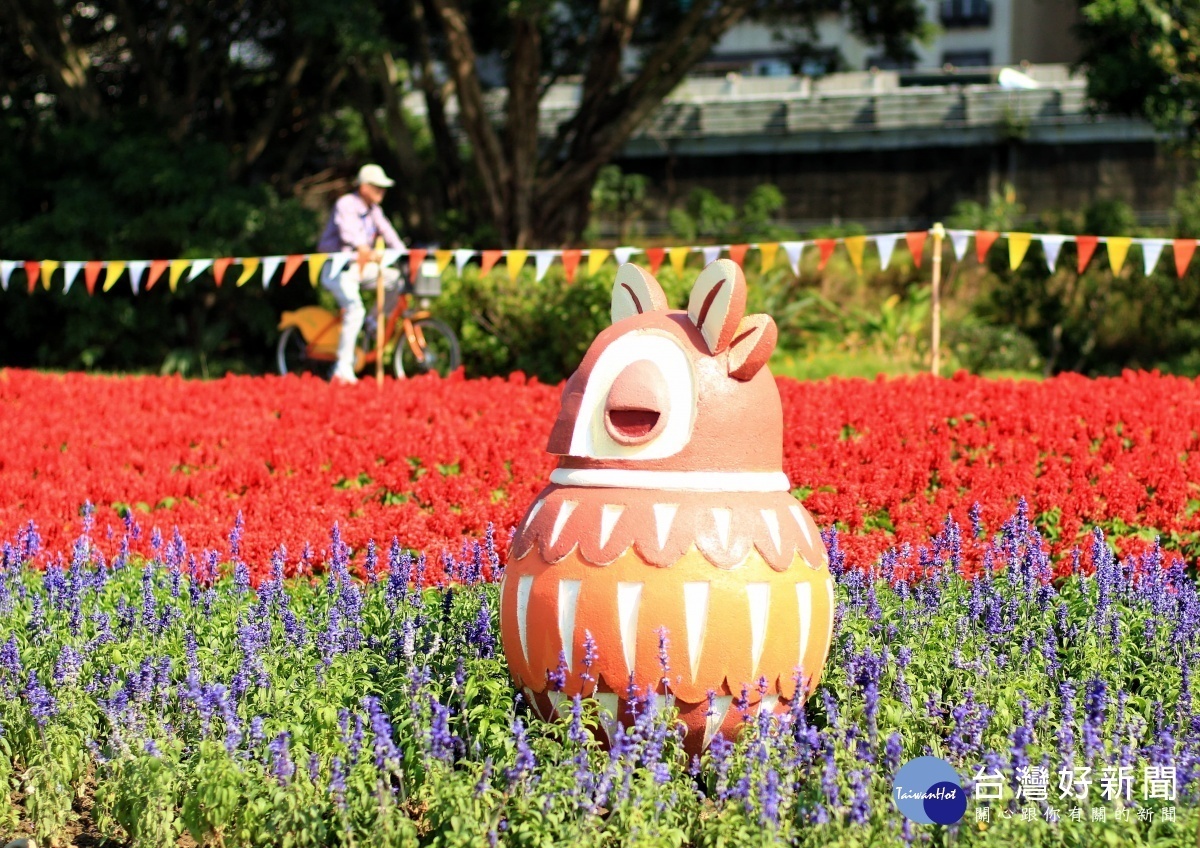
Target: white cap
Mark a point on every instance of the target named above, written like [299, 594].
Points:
[373, 175]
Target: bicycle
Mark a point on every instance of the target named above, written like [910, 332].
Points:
[419, 343]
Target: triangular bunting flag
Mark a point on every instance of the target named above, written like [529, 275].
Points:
[270, 264]
[316, 261]
[1184, 248]
[793, 249]
[115, 269]
[249, 266]
[916, 245]
[826, 247]
[570, 262]
[6, 269]
[711, 254]
[984, 239]
[49, 266]
[461, 258]
[958, 240]
[157, 267]
[199, 266]
[1086, 246]
[178, 266]
[679, 257]
[391, 256]
[32, 270]
[1151, 250]
[737, 252]
[137, 269]
[622, 254]
[220, 266]
[596, 257]
[490, 258]
[886, 244]
[1051, 245]
[291, 265]
[415, 257]
[443, 258]
[855, 245]
[1118, 248]
[70, 272]
[541, 263]
[656, 255]
[768, 252]
[516, 261]
[337, 263]
[91, 273]
[1018, 245]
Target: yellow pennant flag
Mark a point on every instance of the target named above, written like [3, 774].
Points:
[249, 266]
[596, 257]
[316, 261]
[49, 266]
[855, 245]
[768, 252]
[115, 269]
[443, 258]
[516, 261]
[1118, 248]
[679, 257]
[178, 266]
[1018, 244]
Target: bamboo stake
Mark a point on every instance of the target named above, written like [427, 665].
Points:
[939, 233]
[379, 316]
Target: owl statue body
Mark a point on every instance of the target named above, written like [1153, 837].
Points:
[668, 534]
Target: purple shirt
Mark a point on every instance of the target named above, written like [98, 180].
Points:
[353, 224]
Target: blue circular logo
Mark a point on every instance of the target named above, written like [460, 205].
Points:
[928, 791]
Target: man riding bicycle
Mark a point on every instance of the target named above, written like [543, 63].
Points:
[355, 223]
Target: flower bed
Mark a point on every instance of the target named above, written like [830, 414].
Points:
[429, 461]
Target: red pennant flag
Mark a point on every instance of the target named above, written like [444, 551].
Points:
[490, 258]
[656, 256]
[415, 257]
[1184, 248]
[91, 273]
[916, 245]
[33, 270]
[220, 266]
[826, 247]
[157, 267]
[737, 252]
[570, 261]
[1086, 246]
[984, 239]
[291, 264]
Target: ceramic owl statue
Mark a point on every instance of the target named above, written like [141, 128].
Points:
[668, 533]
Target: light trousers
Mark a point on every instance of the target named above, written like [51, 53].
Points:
[347, 291]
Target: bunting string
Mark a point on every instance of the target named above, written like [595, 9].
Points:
[141, 275]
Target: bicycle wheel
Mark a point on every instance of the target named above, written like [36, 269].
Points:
[440, 354]
[291, 355]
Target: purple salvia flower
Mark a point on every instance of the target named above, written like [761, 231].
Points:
[525, 761]
[281, 761]
[42, 704]
[337, 783]
[387, 755]
[371, 563]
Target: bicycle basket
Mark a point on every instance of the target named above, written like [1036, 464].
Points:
[429, 281]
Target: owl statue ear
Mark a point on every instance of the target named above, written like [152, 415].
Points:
[752, 345]
[635, 291]
[717, 303]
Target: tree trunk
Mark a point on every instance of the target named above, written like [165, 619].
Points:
[524, 73]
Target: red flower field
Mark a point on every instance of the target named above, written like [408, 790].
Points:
[430, 462]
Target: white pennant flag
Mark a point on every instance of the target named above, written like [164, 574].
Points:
[270, 264]
[6, 269]
[542, 260]
[711, 254]
[1151, 250]
[338, 263]
[793, 249]
[390, 256]
[622, 254]
[1051, 245]
[70, 272]
[199, 266]
[886, 245]
[460, 259]
[959, 239]
[137, 270]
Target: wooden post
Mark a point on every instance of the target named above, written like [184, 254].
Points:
[380, 318]
[939, 233]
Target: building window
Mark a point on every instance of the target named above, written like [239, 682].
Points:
[966, 13]
[967, 58]
[887, 63]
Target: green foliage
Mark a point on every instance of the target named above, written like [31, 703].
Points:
[620, 197]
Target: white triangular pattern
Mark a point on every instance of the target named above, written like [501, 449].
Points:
[1151, 250]
[793, 249]
[759, 595]
[711, 254]
[695, 606]
[622, 254]
[609, 514]
[199, 266]
[270, 264]
[390, 256]
[560, 520]
[461, 257]
[772, 522]
[958, 240]
[542, 260]
[629, 600]
[1051, 245]
[71, 270]
[338, 263]
[568, 602]
[886, 245]
[664, 515]
[6, 269]
[137, 270]
[716, 717]
[524, 587]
